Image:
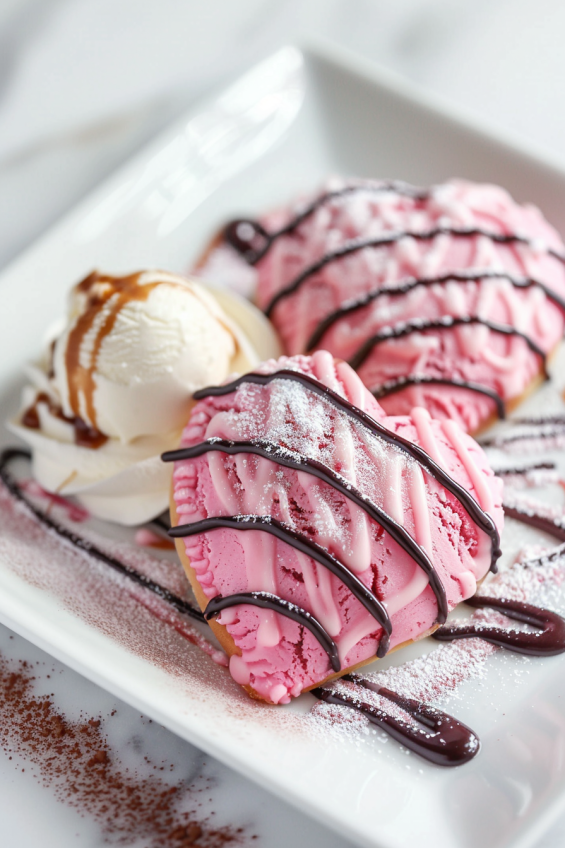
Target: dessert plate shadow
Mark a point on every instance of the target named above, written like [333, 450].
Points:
[277, 131]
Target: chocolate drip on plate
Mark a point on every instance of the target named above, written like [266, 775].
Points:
[266, 600]
[447, 322]
[10, 454]
[442, 739]
[554, 526]
[524, 469]
[250, 239]
[403, 288]
[481, 518]
[541, 422]
[385, 240]
[306, 546]
[551, 427]
[400, 383]
[547, 641]
[532, 435]
[299, 462]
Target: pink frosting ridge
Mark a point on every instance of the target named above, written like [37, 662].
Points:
[504, 364]
[280, 658]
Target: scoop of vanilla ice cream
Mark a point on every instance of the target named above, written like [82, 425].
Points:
[125, 363]
[135, 350]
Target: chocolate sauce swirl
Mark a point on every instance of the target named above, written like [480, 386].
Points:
[481, 518]
[400, 383]
[10, 454]
[547, 641]
[266, 600]
[385, 240]
[403, 288]
[252, 241]
[292, 459]
[307, 546]
[437, 736]
[447, 322]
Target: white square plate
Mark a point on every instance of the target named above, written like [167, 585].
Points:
[277, 131]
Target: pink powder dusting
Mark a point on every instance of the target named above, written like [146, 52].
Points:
[75, 512]
[92, 589]
[110, 603]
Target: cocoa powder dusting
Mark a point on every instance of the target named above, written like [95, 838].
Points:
[75, 760]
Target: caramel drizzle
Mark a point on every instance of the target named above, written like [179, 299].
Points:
[355, 245]
[266, 600]
[302, 543]
[547, 641]
[475, 512]
[84, 435]
[447, 322]
[437, 736]
[400, 383]
[117, 291]
[256, 234]
[275, 453]
[407, 286]
[10, 454]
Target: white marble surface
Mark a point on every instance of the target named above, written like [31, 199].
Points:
[83, 83]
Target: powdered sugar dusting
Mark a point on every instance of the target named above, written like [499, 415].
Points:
[536, 578]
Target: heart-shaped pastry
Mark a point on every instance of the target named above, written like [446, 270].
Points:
[451, 297]
[317, 532]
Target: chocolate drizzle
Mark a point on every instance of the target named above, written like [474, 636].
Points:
[436, 736]
[10, 454]
[524, 469]
[554, 526]
[446, 322]
[546, 641]
[302, 543]
[355, 245]
[252, 241]
[400, 383]
[478, 515]
[550, 427]
[299, 462]
[266, 600]
[403, 288]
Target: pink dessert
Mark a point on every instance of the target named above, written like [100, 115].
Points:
[449, 298]
[317, 531]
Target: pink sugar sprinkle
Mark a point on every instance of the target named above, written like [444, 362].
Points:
[91, 589]
[74, 511]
